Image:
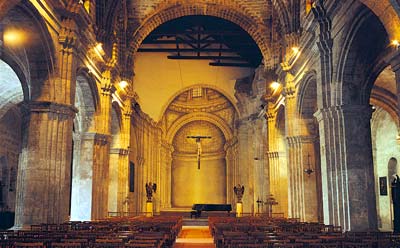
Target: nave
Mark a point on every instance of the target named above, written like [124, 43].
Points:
[285, 108]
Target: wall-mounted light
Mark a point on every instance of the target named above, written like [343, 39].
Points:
[308, 170]
[12, 37]
[275, 85]
[123, 84]
[295, 50]
[396, 44]
[99, 50]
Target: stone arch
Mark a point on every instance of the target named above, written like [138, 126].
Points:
[217, 121]
[35, 56]
[384, 132]
[86, 100]
[11, 88]
[213, 87]
[388, 13]
[382, 97]
[358, 56]
[116, 125]
[282, 12]
[308, 81]
[174, 11]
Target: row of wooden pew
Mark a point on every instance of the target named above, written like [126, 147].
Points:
[157, 232]
[262, 232]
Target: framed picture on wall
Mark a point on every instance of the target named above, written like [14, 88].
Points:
[383, 190]
[131, 177]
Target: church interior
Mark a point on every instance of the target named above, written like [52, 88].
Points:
[133, 113]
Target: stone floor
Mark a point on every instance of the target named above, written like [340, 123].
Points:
[194, 236]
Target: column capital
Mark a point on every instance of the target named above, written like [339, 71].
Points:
[50, 107]
[289, 91]
[98, 138]
[120, 151]
[107, 89]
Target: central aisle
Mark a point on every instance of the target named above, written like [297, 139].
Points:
[194, 236]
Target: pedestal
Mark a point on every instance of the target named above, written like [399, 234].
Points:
[239, 209]
[149, 209]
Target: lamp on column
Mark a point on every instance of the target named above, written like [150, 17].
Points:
[308, 170]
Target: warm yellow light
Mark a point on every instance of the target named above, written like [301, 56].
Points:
[275, 85]
[123, 84]
[99, 50]
[295, 50]
[396, 43]
[13, 37]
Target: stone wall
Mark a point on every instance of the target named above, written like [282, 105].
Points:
[385, 146]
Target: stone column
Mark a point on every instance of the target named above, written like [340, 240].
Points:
[123, 165]
[113, 181]
[347, 167]
[232, 173]
[167, 149]
[303, 187]
[43, 186]
[102, 150]
[81, 200]
[100, 180]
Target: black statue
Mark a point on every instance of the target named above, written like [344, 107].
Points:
[150, 188]
[396, 204]
[239, 191]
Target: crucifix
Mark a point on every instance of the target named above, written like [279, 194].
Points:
[198, 142]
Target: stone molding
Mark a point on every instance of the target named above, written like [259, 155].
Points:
[50, 107]
[120, 151]
[335, 112]
[98, 138]
[204, 156]
[301, 139]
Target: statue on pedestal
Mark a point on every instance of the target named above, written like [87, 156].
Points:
[150, 189]
[239, 191]
[396, 204]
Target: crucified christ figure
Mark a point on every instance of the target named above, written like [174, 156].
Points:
[198, 142]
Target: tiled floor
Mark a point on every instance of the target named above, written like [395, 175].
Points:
[194, 236]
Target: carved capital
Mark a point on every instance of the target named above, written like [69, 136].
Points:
[289, 91]
[107, 89]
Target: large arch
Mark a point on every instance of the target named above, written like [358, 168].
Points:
[358, 57]
[173, 11]
[387, 13]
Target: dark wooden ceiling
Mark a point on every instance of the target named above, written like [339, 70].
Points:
[221, 42]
